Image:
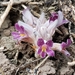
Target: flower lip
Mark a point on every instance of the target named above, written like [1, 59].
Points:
[49, 43]
[53, 17]
[19, 28]
[65, 52]
[65, 45]
[40, 42]
[20, 34]
[45, 48]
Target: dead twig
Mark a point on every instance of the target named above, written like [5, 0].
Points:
[1, 48]
[58, 31]
[37, 3]
[71, 63]
[35, 13]
[23, 66]
[2, 18]
[59, 4]
[64, 30]
[35, 69]
[1, 72]
[73, 34]
[16, 56]
[70, 32]
[15, 2]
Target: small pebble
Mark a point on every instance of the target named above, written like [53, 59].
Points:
[7, 32]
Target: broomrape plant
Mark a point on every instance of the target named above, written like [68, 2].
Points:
[39, 32]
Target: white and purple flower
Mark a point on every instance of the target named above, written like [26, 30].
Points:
[20, 34]
[61, 47]
[39, 32]
[45, 48]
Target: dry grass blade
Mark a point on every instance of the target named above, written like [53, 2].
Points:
[2, 18]
[35, 3]
[71, 63]
[40, 64]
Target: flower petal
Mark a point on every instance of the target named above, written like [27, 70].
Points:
[46, 24]
[60, 18]
[17, 27]
[28, 28]
[65, 21]
[65, 52]
[43, 54]
[22, 29]
[42, 32]
[50, 52]
[39, 51]
[15, 35]
[53, 16]
[52, 27]
[49, 43]
[40, 42]
[42, 18]
[63, 45]
[27, 16]
[69, 42]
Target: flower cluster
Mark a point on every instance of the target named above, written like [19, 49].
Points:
[39, 32]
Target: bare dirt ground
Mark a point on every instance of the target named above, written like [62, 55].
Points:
[20, 60]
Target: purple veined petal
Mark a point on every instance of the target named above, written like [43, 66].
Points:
[28, 28]
[39, 51]
[65, 21]
[15, 35]
[49, 43]
[53, 17]
[17, 27]
[22, 29]
[27, 16]
[40, 42]
[65, 52]
[60, 18]
[43, 54]
[50, 52]
[69, 42]
[63, 45]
